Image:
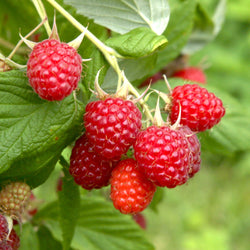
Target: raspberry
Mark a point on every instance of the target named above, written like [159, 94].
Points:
[131, 191]
[192, 74]
[7, 242]
[89, 169]
[151, 80]
[162, 154]
[112, 125]
[200, 109]
[195, 151]
[14, 198]
[54, 69]
[140, 220]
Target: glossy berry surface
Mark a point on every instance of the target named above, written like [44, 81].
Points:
[7, 243]
[131, 191]
[195, 151]
[89, 169]
[191, 74]
[162, 154]
[14, 198]
[54, 69]
[112, 125]
[200, 109]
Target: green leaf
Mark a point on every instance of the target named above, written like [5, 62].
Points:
[69, 200]
[157, 199]
[219, 16]
[137, 43]
[126, 15]
[99, 226]
[177, 32]
[46, 239]
[28, 237]
[142, 66]
[202, 32]
[33, 132]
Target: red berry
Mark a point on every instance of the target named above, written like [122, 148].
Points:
[14, 198]
[195, 151]
[192, 74]
[131, 191]
[54, 69]
[112, 125]
[140, 220]
[7, 242]
[200, 109]
[89, 169]
[162, 154]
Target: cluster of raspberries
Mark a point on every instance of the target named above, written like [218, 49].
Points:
[164, 156]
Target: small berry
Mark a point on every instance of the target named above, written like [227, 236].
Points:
[140, 220]
[89, 169]
[192, 74]
[200, 109]
[151, 80]
[14, 198]
[131, 191]
[162, 154]
[7, 241]
[195, 151]
[54, 69]
[112, 125]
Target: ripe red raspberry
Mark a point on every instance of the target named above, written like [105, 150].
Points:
[140, 220]
[195, 151]
[89, 169]
[200, 109]
[14, 198]
[151, 80]
[54, 69]
[112, 125]
[192, 74]
[131, 191]
[7, 242]
[162, 154]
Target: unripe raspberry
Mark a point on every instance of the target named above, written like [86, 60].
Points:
[14, 198]
[54, 69]
[112, 125]
[192, 74]
[89, 169]
[131, 191]
[200, 109]
[163, 155]
[8, 241]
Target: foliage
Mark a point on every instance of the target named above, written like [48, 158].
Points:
[36, 136]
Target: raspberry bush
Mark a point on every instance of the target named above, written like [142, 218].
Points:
[80, 110]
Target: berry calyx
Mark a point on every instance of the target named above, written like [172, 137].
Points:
[200, 109]
[54, 69]
[194, 149]
[140, 220]
[162, 154]
[9, 240]
[193, 74]
[14, 198]
[112, 125]
[131, 191]
[89, 169]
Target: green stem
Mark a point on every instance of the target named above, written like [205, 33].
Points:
[42, 13]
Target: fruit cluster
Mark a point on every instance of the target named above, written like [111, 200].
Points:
[165, 155]
[16, 204]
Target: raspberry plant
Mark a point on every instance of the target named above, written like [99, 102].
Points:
[83, 112]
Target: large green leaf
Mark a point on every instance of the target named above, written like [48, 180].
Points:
[177, 32]
[124, 15]
[33, 132]
[99, 226]
[137, 43]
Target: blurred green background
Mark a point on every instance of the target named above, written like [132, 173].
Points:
[211, 212]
